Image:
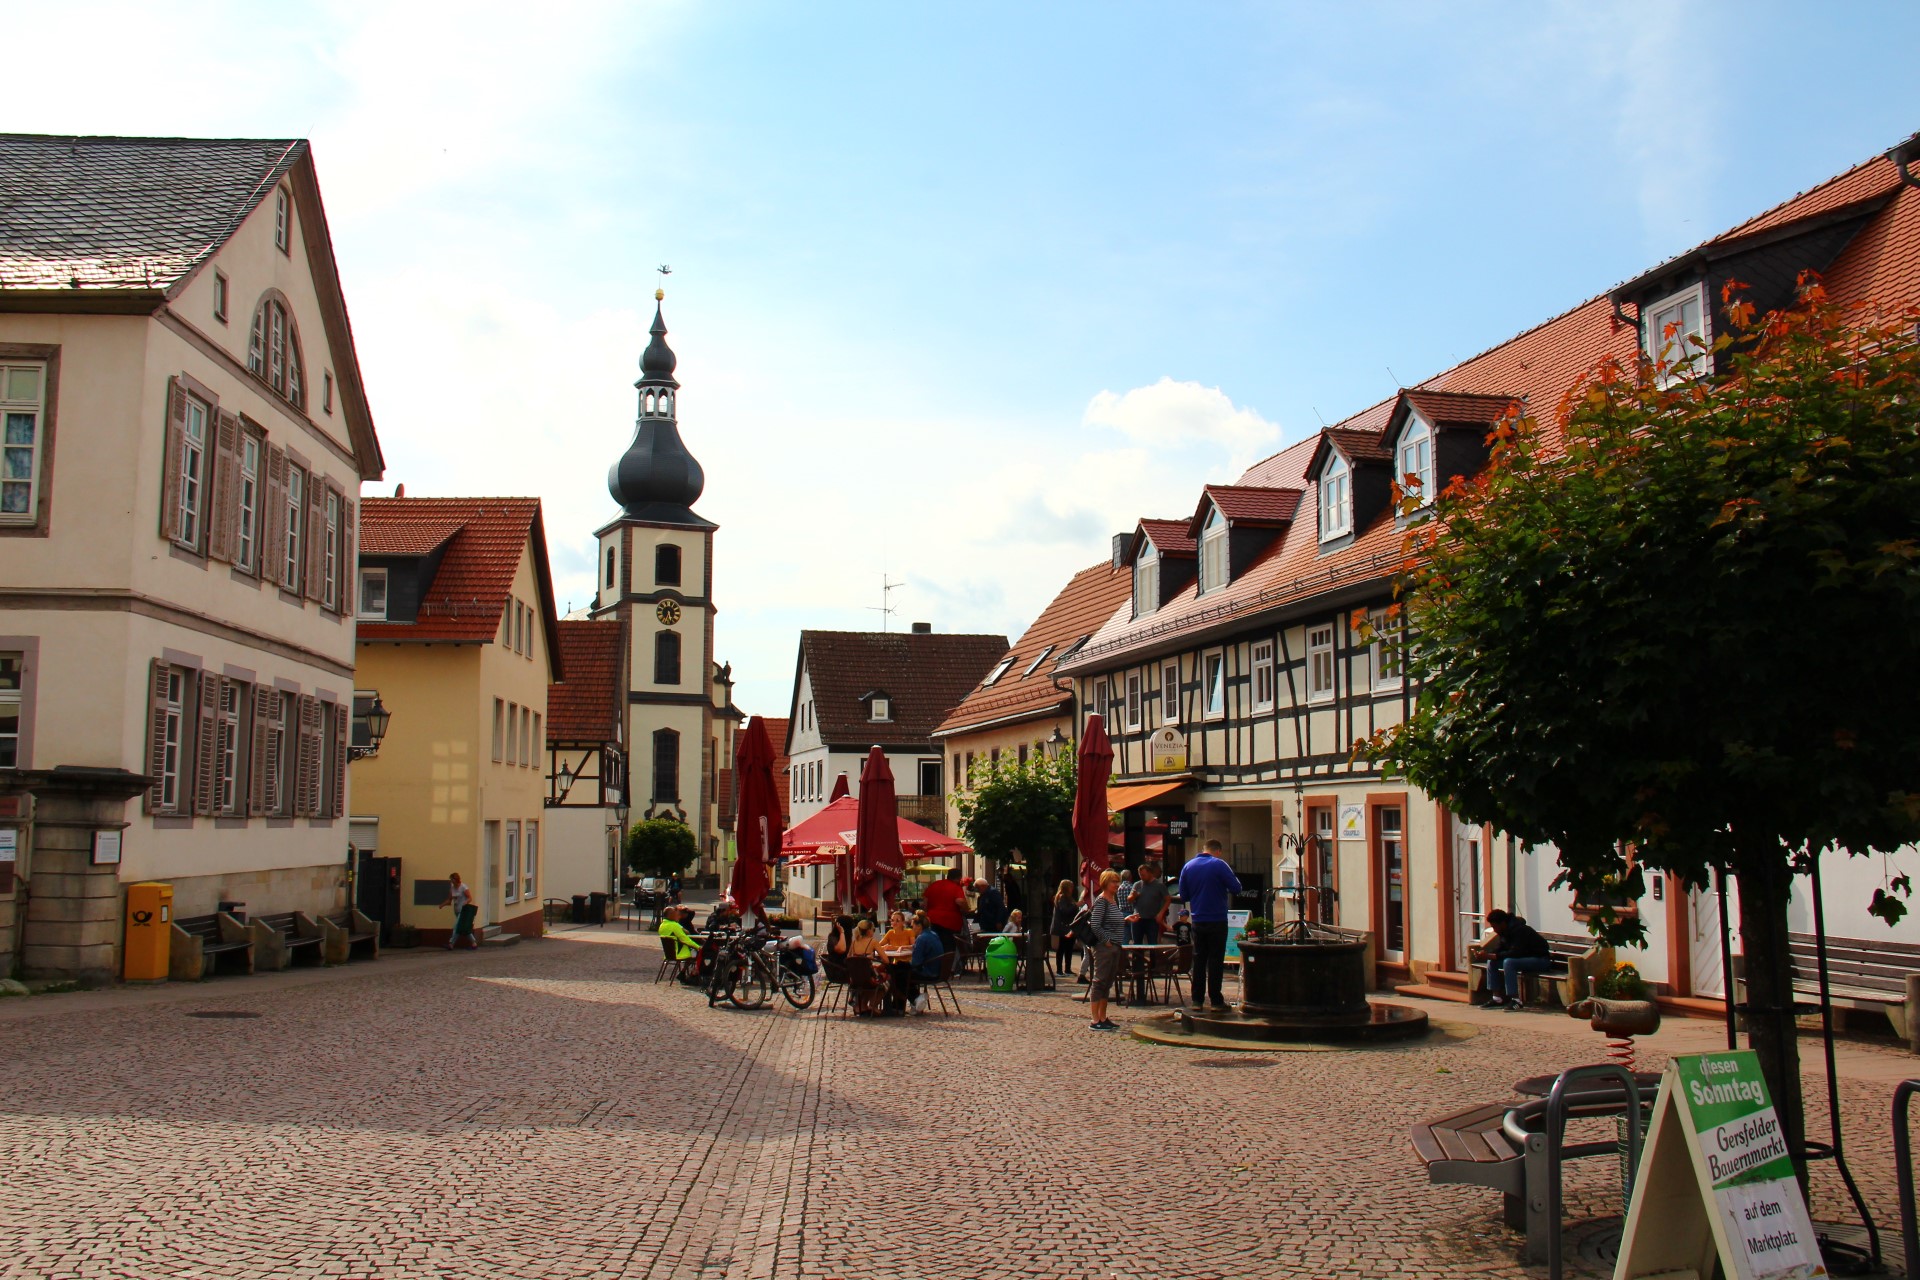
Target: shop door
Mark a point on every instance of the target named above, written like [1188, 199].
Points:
[1703, 944]
[1391, 875]
[377, 892]
[1318, 868]
[488, 899]
[1469, 900]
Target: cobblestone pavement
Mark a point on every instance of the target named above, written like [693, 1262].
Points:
[546, 1111]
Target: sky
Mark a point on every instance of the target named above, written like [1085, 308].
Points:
[961, 290]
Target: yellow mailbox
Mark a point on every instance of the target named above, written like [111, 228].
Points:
[149, 931]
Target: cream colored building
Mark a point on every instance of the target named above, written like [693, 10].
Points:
[185, 437]
[458, 637]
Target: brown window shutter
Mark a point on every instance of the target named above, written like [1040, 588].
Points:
[156, 731]
[274, 791]
[349, 597]
[342, 740]
[176, 436]
[223, 521]
[206, 738]
[316, 536]
[257, 765]
[273, 518]
[306, 793]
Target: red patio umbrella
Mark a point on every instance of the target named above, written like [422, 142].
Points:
[877, 865]
[840, 789]
[757, 833]
[1090, 801]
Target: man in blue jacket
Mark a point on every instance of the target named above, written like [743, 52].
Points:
[1208, 884]
[927, 950]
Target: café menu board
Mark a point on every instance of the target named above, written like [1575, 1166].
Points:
[1716, 1180]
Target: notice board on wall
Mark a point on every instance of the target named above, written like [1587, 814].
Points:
[1716, 1181]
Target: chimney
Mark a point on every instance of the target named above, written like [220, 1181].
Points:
[923, 628]
[1121, 543]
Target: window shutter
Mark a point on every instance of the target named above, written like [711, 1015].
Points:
[306, 792]
[274, 790]
[342, 730]
[176, 437]
[257, 773]
[349, 597]
[316, 535]
[273, 518]
[206, 741]
[223, 521]
[156, 731]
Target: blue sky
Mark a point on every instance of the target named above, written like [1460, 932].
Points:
[959, 291]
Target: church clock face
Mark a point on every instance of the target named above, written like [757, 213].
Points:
[668, 611]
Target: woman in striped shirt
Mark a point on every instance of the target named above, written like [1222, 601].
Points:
[1109, 921]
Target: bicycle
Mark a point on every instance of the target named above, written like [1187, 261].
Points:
[747, 972]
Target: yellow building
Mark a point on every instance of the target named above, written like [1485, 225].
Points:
[185, 438]
[459, 638]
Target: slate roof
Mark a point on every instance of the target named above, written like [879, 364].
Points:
[924, 674]
[1025, 691]
[1881, 263]
[470, 590]
[126, 213]
[586, 706]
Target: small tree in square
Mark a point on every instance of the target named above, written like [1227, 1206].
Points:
[660, 847]
[1016, 810]
[1683, 638]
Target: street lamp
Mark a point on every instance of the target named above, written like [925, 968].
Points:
[371, 712]
[1055, 741]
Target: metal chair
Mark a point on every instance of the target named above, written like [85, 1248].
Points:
[833, 982]
[942, 986]
[863, 984]
[672, 966]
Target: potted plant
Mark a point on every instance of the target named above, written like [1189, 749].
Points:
[1257, 928]
[1623, 983]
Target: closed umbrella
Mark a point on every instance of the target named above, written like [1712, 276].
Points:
[1090, 802]
[839, 789]
[757, 834]
[877, 865]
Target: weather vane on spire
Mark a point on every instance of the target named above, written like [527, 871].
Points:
[665, 271]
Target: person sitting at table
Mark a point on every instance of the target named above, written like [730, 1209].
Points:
[865, 945]
[990, 908]
[899, 935]
[927, 950]
[673, 932]
[1016, 923]
[721, 916]
[838, 938]
[1066, 905]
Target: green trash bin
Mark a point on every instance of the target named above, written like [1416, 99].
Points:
[1003, 964]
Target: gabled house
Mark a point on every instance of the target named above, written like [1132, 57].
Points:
[1234, 700]
[459, 639]
[586, 764]
[185, 437]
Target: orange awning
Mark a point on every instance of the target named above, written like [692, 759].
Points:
[1119, 798]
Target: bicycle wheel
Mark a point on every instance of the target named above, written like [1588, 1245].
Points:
[797, 988]
[750, 988]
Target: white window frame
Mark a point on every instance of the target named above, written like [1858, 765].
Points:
[330, 564]
[529, 861]
[1213, 684]
[361, 609]
[1261, 661]
[1213, 552]
[247, 530]
[1688, 361]
[1387, 654]
[293, 565]
[282, 221]
[880, 709]
[220, 295]
[1336, 498]
[1103, 699]
[1146, 579]
[193, 472]
[1415, 457]
[1134, 681]
[1323, 681]
[173, 740]
[227, 798]
[1170, 692]
[13, 702]
[33, 408]
[510, 882]
[994, 675]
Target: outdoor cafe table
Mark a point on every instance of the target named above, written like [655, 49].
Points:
[1140, 957]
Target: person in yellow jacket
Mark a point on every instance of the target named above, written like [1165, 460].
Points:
[673, 930]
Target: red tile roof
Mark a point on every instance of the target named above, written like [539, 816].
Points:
[1452, 408]
[470, 589]
[1026, 691]
[586, 707]
[1170, 537]
[404, 538]
[924, 674]
[1249, 504]
[1538, 366]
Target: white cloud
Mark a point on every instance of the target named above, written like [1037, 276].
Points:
[1170, 413]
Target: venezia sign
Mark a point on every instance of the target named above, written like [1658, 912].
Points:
[1167, 751]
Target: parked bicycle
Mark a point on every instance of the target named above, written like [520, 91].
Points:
[750, 967]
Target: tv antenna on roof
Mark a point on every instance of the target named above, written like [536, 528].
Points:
[885, 607]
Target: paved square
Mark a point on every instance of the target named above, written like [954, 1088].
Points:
[546, 1111]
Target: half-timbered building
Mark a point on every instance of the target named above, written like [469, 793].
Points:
[587, 758]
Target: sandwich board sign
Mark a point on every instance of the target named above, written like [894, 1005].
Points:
[1716, 1181]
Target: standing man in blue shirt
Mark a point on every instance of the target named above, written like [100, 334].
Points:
[1208, 885]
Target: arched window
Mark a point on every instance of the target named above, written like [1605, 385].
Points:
[666, 766]
[273, 350]
[666, 657]
[666, 565]
[1336, 500]
[613, 563]
[1416, 459]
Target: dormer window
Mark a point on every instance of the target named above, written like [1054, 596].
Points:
[1336, 499]
[1146, 580]
[992, 676]
[1416, 459]
[1213, 552]
[879, 709]
[1674, 331]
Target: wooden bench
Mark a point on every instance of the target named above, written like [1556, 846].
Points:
[204, 945]
[1876, 977]
[1578, 959]
[290, 938]
[351, 935]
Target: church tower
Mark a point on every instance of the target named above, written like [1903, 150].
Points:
[656, 575]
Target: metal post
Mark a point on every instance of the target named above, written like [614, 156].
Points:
[1826, 1040]
[1726, 956]
[1903, 1170]
[1556, 1133]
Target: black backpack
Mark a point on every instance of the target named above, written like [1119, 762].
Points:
[1082, 928]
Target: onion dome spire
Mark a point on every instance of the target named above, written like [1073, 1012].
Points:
[656, 479]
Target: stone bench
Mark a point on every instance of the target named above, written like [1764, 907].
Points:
[205, 945]
[290, 938]
[350, 935]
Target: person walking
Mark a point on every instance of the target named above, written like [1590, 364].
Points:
[1516, 948]
[1124, 895]
[1066, 905]
[460, 898]
[1208, 884]
[1109, 921]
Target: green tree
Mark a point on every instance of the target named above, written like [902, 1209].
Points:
[1016, 811]
[660, 847]
[1682, 622]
